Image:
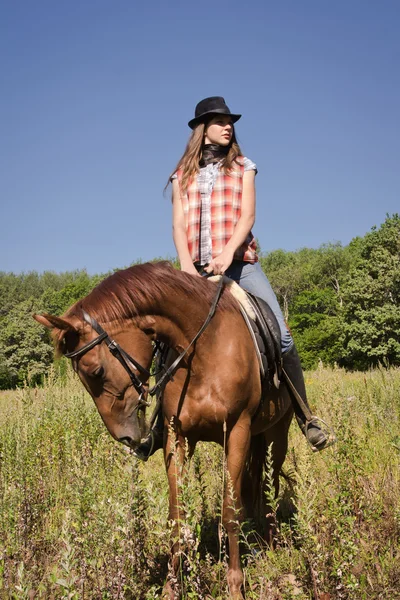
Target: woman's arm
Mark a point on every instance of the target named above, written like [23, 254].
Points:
[179, 231]
[220, 263]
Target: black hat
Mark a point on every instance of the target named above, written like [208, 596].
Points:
[211, 106]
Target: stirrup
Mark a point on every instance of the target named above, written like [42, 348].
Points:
[330, 437]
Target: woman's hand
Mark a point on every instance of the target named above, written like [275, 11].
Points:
[188, 267]
[242, 228]
[220, 263]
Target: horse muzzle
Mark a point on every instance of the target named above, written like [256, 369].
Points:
[128, 441]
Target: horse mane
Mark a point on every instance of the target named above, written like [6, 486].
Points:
[139, 289]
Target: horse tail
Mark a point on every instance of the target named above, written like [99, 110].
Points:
[254, 475]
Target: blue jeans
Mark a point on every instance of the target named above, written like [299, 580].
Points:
[252, 278]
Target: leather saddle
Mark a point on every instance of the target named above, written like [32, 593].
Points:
[266, 335]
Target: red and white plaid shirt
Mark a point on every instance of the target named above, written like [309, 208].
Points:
[223, 213]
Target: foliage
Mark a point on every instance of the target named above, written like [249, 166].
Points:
[25, 348]
[343, 303]
[81, 518]
[17, 288]
[56, 302]
[371, 293]
[317, 325]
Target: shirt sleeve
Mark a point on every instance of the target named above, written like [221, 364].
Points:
[249, 165]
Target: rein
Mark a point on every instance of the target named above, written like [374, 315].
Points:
[126, 360]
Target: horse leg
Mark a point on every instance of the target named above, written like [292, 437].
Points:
[236, 452]
[175, 461]
[278, 437]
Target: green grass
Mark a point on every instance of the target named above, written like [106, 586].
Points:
[81, 518]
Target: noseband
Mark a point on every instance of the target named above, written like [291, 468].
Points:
[126, 360]
[123, 357]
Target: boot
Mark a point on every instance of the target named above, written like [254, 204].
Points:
[309, 425]
[154, 440]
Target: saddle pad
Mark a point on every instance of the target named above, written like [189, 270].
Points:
[270, 333]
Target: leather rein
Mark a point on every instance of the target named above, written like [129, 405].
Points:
[128, 361]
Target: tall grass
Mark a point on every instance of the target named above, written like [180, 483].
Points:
[81, 518]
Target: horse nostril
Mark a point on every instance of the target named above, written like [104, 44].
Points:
[128, 441]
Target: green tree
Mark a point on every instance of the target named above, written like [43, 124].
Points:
[6, 380]
[371, 299]
[316, 326]
[25, 348]
[329, 265]
[56, 302]
[285, 275]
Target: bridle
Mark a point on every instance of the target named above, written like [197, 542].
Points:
[123, 357]
[127, 361]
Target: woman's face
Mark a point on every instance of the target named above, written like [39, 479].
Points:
[219, 130]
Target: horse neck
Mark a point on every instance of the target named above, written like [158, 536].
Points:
[176, 318]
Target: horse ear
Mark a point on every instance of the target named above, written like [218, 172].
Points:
[53, 322]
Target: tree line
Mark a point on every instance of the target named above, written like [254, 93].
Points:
[342, 304]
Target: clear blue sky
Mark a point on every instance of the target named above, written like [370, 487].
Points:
[96, 95]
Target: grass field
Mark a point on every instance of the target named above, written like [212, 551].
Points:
[80, 518]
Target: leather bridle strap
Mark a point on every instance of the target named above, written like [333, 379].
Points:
[123, 357]
[87, 347]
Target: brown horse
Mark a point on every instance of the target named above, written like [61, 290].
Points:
[214, 395]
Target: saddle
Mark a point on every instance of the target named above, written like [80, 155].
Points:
[265, 332]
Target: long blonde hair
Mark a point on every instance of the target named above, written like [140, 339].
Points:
[189, 162]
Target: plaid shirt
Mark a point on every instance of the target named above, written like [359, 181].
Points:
[212, 208]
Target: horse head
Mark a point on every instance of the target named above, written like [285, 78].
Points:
[119, 396]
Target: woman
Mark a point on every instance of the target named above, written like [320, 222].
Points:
[213, 197]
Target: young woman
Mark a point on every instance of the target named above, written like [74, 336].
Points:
[213, 197]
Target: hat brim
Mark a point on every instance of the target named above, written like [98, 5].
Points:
[192, 124]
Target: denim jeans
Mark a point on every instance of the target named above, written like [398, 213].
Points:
[252, 278]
